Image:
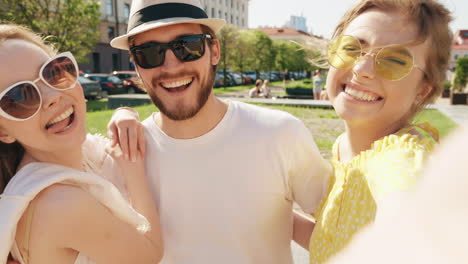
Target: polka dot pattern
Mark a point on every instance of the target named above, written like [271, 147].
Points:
[391, 164]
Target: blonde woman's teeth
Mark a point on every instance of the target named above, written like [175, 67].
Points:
[361, 95]
[61, 117]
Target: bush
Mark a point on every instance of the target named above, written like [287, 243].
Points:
[447, 85]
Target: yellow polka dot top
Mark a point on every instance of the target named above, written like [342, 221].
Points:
[392, 163]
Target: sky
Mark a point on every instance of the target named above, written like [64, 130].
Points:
[322, 16]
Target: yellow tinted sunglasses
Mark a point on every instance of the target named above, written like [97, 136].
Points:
[392, 62]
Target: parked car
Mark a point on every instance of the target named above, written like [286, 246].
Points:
[251, 74]
[219, 80]
[241, 80]
[109, 84]
[91, 89]
[130, 80]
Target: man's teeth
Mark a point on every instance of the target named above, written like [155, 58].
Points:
[360, 95]
[62, 116]
[176, 84]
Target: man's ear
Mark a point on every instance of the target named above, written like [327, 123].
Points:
[215, 48]
[5, 138]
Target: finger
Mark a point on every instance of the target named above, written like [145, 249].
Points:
[132, 143]
[113, 134]
[123, 141]
[142, 141]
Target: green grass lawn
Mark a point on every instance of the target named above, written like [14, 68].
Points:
[97, 120]
[231, 89]
[324, 124]
[444, 124]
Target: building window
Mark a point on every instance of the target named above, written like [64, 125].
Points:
[238, 6]
[115, 62]
[243, 8]
[227, 3]
[219, 14]
[213, 12]
[232, 19]
[111, 32]
[232, 3]
[96, 62]
[237, 20]
[110, 7]
[456, 57]
[127, 10]
[226, 16]
[243, 25]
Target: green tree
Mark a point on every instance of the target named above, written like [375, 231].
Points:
[461, 74]
[70, 25]
[227, 38]
[291, 56]
[242, 52]
[263, 52]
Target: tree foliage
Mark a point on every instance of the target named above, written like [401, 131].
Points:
[242, 53]
[253, 50]
[461, 74]
[70, 25]
[228, 40]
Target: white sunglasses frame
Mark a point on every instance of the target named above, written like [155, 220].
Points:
[33, 84]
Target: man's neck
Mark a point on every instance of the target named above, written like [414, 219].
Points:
[204, 121]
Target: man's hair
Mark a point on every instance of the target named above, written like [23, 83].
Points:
[432, 22]
[210, 41]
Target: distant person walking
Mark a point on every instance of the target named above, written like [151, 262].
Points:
[318, 84]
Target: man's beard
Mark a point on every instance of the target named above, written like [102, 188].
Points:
[181, 112]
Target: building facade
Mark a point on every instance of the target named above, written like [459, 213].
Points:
[459, 48]
[297, 23]
[289, 34]
[235, 12]
[104, 58]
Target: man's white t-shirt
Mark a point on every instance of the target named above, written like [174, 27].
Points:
[226, 196]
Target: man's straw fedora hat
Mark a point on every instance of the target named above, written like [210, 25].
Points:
[149, 14]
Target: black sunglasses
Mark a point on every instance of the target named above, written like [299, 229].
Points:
[187, 48]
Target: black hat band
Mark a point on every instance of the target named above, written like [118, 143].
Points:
[164, 11]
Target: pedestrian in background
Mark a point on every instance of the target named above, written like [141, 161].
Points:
[256, 91]
[266, 91]
[318, 81]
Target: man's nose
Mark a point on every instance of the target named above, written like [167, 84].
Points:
[171, 62]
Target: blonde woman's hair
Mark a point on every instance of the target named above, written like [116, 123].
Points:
[12, 154]
[432, 22]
